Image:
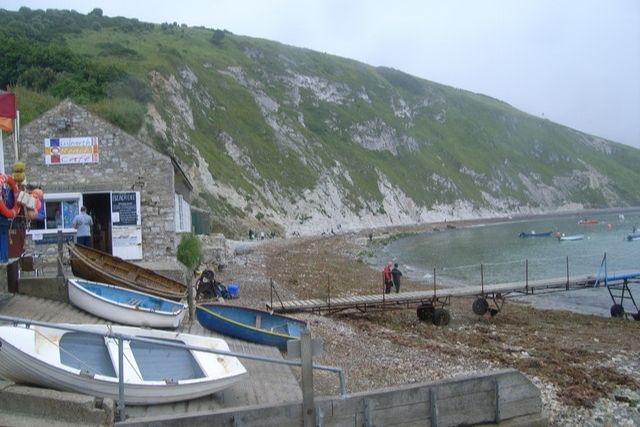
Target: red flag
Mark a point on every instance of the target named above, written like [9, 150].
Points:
[6, 124]
[7, 105]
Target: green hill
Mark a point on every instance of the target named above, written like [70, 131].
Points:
[282, 138]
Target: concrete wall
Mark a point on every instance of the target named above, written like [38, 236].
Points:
[123, 162]
[505, 398]
[32, 407]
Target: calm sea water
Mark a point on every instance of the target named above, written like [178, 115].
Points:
[458, 254]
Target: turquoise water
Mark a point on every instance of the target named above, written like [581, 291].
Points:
[496, 254]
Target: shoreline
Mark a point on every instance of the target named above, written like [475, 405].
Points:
[377, 349]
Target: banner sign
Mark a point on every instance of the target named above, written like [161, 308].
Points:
[60, 151]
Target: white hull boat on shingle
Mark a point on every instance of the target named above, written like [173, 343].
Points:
[125, 306]
[80, 361]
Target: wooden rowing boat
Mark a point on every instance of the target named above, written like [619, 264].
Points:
[92, 264]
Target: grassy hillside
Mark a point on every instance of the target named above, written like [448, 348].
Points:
[291, 135]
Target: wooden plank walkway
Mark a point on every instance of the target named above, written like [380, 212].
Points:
[405, 299]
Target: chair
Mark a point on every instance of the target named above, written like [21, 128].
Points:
[30, 263]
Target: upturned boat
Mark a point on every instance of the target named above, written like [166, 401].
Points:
[125, 306]
[250, 324]
[98, 266]
[84, 359]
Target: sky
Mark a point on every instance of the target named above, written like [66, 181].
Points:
[574, 62]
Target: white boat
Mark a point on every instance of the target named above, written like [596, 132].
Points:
[125, 306]
[570, 237]
[73, 358]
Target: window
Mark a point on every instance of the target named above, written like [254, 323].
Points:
[59, 211]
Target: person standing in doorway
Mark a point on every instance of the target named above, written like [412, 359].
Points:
[83, 223]
[396, 274]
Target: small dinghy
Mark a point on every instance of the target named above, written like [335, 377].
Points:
[125, 306]
[249, 324]
[570, 237]
[84, 359]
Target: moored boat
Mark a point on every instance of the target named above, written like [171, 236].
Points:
[570, 237]
[98, 266]
[533, 233]
[125, 306]
[632, 237]
[588, 221]
[84, 359]
[250, 324]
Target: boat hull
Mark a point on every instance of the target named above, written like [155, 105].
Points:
[535, 234]
[32, 356]
[572, 237]
[98, 266]
[250, 324]
[125, 306]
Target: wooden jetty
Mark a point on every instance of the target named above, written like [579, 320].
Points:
[431, 304]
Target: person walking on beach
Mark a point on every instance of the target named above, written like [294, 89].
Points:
[83, 223]
[387, 279]
[396, 274]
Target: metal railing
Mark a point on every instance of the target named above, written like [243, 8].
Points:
[120, 404]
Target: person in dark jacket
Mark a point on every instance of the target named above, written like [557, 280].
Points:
[396, 274]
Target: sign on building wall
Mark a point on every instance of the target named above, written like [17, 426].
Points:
[60, 151]
[126, 225]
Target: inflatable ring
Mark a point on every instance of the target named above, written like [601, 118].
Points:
[4, 210]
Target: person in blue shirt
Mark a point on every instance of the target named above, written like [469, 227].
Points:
[83, 223]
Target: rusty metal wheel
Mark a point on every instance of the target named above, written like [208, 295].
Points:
[441, 317]
[480, 306]
[617, 310]
[425, 311]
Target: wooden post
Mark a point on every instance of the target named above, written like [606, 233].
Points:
[567, 286]
[434, 282]
[482, 278]
[60, 254]
[526, 276]
[329, 291]
[307, 379]
[190, 298]
[271, 293]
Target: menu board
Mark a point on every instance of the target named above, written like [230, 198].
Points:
[123, 209]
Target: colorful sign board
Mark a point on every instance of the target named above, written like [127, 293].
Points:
[60, 151]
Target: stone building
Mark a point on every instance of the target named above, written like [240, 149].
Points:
[129, 188]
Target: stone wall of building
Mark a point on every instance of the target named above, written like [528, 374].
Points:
[125, 164]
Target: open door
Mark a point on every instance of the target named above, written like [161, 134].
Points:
[126, 226]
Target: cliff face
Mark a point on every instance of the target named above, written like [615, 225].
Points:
[283, 139]
[306, 142]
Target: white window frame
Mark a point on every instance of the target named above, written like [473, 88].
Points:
[57, 197]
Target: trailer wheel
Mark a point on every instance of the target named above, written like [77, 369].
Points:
[617, 310]
[441, 317]
[480, 306]
[636, 316]
[425, 312]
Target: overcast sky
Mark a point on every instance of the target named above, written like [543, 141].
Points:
[575, 62]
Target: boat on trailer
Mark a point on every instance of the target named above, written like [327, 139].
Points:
[84, 359]
[125, 306]
[98, 266]
[250, 324]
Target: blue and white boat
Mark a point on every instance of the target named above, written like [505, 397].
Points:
[157, 366]
[632, 237]
[250, 324]
[534, 233]
[125, 306]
